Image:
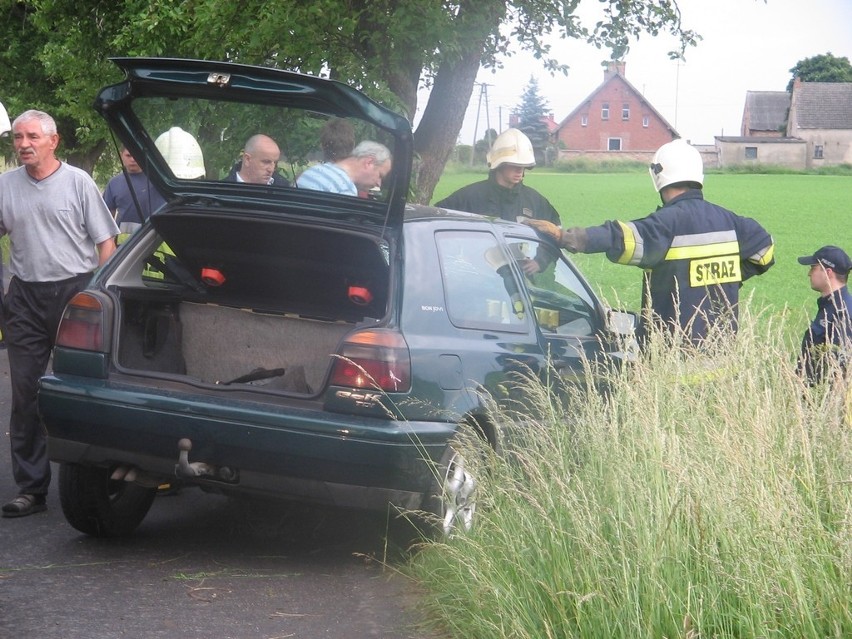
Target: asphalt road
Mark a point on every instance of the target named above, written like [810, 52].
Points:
[203, 565]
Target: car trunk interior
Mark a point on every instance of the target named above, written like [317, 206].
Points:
[245, 300]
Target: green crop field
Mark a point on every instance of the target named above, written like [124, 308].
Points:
[802, 212]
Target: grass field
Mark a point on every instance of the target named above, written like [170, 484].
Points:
[802, 212]
[706, 495]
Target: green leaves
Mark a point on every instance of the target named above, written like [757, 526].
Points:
[55, 54]
[821, 68]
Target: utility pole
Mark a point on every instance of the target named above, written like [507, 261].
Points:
[483, 92]
[677, 91]
[487, 117]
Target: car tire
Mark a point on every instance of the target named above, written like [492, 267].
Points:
[452, 496]
[99, 506]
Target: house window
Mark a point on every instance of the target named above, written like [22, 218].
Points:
[605, 111]
[625, 111]
[817, 151]
[751, 153]
[613, 144]
[584, 120]
[646, 121]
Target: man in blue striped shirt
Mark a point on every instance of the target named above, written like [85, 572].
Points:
[363, 170]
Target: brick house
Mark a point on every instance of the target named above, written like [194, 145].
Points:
[615, 119]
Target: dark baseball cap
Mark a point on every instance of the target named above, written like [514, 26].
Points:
[831, 257]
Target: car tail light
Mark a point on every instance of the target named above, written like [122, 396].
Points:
[82, 324]
[376, 358]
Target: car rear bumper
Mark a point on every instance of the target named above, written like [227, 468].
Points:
[249, 446]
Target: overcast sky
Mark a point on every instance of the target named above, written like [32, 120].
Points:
[747, 45]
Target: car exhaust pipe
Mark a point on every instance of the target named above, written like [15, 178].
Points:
[133, 475]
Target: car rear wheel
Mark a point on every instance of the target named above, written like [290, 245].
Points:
[453, 495]
[96, 505]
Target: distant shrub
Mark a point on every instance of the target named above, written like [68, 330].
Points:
[585, 165]
[760, 169]
[840, 169]
[774, 169]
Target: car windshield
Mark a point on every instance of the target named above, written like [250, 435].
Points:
[269, 146]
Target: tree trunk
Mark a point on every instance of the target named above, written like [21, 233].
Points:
[85, 159]
[438, 131]
[442, 120]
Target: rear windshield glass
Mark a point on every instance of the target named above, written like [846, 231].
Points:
[259, 145]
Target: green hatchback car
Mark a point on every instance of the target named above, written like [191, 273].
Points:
[278, 340]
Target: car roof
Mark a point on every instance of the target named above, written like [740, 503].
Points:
[418, 212]
[220, 104]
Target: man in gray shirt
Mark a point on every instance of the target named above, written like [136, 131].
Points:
[60, 231]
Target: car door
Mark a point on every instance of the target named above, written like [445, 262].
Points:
[570, 318]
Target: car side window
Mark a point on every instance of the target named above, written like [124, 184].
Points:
[481, 289]
[562, 303]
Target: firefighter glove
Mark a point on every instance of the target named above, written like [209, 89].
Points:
[575, 239]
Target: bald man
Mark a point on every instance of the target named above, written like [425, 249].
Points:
[259, 163]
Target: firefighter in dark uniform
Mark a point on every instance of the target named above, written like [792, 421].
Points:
[827, 344]
[504, 193]
[696, 255]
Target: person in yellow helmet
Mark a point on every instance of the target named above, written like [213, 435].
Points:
[5, 125]
[504, 193]
[182, 153]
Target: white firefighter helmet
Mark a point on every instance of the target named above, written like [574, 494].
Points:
[677, 161]
[5, 125]
[511, 147]
[182, 153]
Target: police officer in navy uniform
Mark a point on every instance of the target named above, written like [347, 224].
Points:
[828, 341]
[504, 193]
[696, 255]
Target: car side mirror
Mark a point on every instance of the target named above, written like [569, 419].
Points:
[623, 323]
[624, 326]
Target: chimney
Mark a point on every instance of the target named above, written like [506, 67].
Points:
[614, 67]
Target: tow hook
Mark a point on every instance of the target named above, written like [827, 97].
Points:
[185, 468]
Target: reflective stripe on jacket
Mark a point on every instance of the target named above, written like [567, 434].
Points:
[696, 255]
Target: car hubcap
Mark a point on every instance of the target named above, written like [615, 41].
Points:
[459, 498]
